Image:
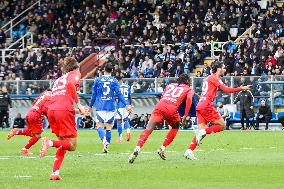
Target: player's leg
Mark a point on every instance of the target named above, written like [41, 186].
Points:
[193, 145]
[109, 126]
[109, 120]
[63, 125]
[119, 130]
[174, 121]
[16, 131]
[119, 125]
[168, 140]
[142, 139]
[155, 119]
[127, 127]
[126, 123]
[100, 120]
[33, 140]
[35, 126]
[202, 123]
[59, 157]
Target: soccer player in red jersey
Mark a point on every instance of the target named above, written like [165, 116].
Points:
[167, 108]
[205, 111]
[61, 114]
[34, 122]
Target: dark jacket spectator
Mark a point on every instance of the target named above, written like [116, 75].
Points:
[246, 99]
[19, 122]
[264, 114]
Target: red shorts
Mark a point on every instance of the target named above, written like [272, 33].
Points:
[165, 112]
[34, 122]
[62, 123]
[206, 114]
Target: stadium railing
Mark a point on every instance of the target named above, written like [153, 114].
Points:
[272, 92]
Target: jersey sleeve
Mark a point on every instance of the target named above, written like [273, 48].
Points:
[216, 82]
[229, 89]
[94, 94]
[72, 90]
[74, 78]
[188, 101]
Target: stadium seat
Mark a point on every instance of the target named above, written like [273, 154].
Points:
[278, 101]
[274, 117]
[280, 114]
[237, 115]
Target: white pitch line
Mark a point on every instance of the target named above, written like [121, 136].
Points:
[247, 148]
[23, 176]
[4, 158]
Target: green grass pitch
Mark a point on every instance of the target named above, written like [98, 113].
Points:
[227, 160]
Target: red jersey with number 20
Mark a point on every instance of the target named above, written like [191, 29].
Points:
[211, 84]
[175, 94]
[64, 91]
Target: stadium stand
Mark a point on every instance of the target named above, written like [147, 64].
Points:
[151, 39]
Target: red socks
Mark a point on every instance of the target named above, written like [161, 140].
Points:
[63, 144]
[170, 137]
[213, 129]
[143, 137]
[58, 159]
[31, 142]
[24, 132]
[193, 144]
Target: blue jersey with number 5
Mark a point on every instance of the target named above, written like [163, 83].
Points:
[126, 92]
[105, 88]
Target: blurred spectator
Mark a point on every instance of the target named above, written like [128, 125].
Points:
[223, 111]
[87, 122]
[5, 104]
[134, 122]
[246, 99]
[264, 114]
[19, 122]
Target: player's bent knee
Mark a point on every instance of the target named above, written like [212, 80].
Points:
[151, 125]
[109, 126]
[73, 142]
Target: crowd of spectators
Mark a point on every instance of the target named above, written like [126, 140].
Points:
[77, 23]
[191, 23]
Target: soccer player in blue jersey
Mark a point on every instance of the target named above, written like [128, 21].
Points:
[122, 115]
[105, 89]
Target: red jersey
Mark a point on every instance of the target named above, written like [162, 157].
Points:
[64, 91]
[211, 84]
[39, 102]
[175, 94]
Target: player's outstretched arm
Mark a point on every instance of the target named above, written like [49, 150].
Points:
[233, 90]
[188, 102]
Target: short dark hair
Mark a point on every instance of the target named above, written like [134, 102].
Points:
[70, 64]
[108, 67]
[119, 78]
[183, 79]
[215, 65]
